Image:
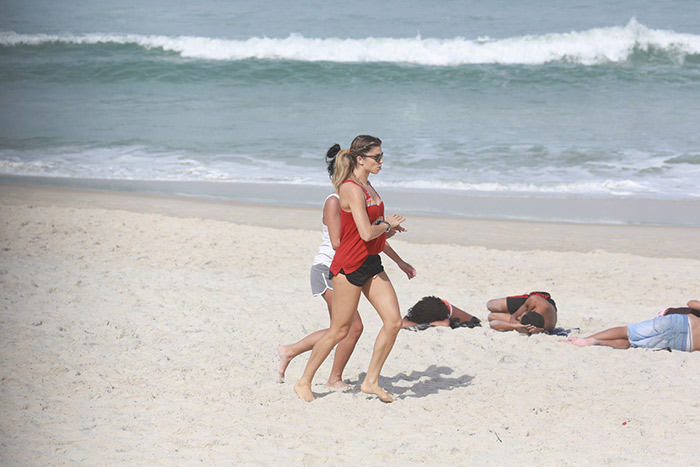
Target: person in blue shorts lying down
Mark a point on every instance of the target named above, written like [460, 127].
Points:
[672, 331]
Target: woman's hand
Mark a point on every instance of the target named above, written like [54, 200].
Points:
[409, 270]
[395, 222]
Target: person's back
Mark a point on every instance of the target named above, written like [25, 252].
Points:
[326, 250]
[537, 308]
[695, 331]
[544, 308]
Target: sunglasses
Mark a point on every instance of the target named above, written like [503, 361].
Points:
[377, 157]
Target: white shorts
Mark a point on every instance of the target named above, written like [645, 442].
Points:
[319, 279]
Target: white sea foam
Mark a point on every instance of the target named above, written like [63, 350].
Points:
[591, 47]
[600, 187]
[142, 164]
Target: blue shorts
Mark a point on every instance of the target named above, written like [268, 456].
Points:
[671, 331]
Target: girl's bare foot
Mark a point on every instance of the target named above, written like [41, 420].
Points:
[377, 391]
[304, 391]
[285, 358]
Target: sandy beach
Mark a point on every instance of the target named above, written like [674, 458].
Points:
[142, 330]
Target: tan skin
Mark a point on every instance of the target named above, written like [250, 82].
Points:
[378, 290]
[618, 337]
[344, 349]
[501, 320]
[457, 312]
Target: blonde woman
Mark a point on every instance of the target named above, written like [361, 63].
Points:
[357, 268]
[321, 286]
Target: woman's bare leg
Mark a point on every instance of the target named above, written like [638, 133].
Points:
[288, 352]
[498, 317]
[460, 314]
[343, 351]
[345, 299]
[497, 305]
[381, 294]
[499, 312]
[617, 338]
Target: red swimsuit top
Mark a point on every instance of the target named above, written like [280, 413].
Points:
[353, 251]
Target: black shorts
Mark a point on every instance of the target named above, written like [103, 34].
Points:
[370, 268]
[516, 301]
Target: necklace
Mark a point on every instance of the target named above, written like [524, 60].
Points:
[362, 184]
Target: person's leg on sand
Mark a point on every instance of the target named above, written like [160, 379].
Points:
[617, 338]
[343, 351]
[288, 352]
[345, 300]
[497, 305]
[381, 294]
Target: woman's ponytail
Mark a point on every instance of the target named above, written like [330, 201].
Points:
[343, 167]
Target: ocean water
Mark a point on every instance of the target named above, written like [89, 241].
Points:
[524, 100]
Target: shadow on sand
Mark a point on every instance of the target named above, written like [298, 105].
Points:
[424, 383]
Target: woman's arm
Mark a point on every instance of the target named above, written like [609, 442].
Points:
[462, 315]
[352, 199]
[442, 322]
[409, 270]
[694, 304]
[406, 323]
[515, 317]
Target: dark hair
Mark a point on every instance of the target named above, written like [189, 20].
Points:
[330, 159]
[427, 310]
[534, 318]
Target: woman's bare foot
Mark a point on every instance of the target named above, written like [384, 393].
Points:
[285, 358]
[580, 341]
[304, 391]
[377, 391]
[338, 384]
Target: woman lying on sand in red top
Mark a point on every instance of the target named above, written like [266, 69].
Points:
[434, 311]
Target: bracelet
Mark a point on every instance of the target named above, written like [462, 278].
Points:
[388, 226]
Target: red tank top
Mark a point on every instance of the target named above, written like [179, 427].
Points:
[353, 251]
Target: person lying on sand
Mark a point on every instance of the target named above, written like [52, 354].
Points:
[528, 313]
[674, 332]
[434, 311]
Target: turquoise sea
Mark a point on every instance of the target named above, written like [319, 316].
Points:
[593, 101]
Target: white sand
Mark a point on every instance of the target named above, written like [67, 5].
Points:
[128, 336]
